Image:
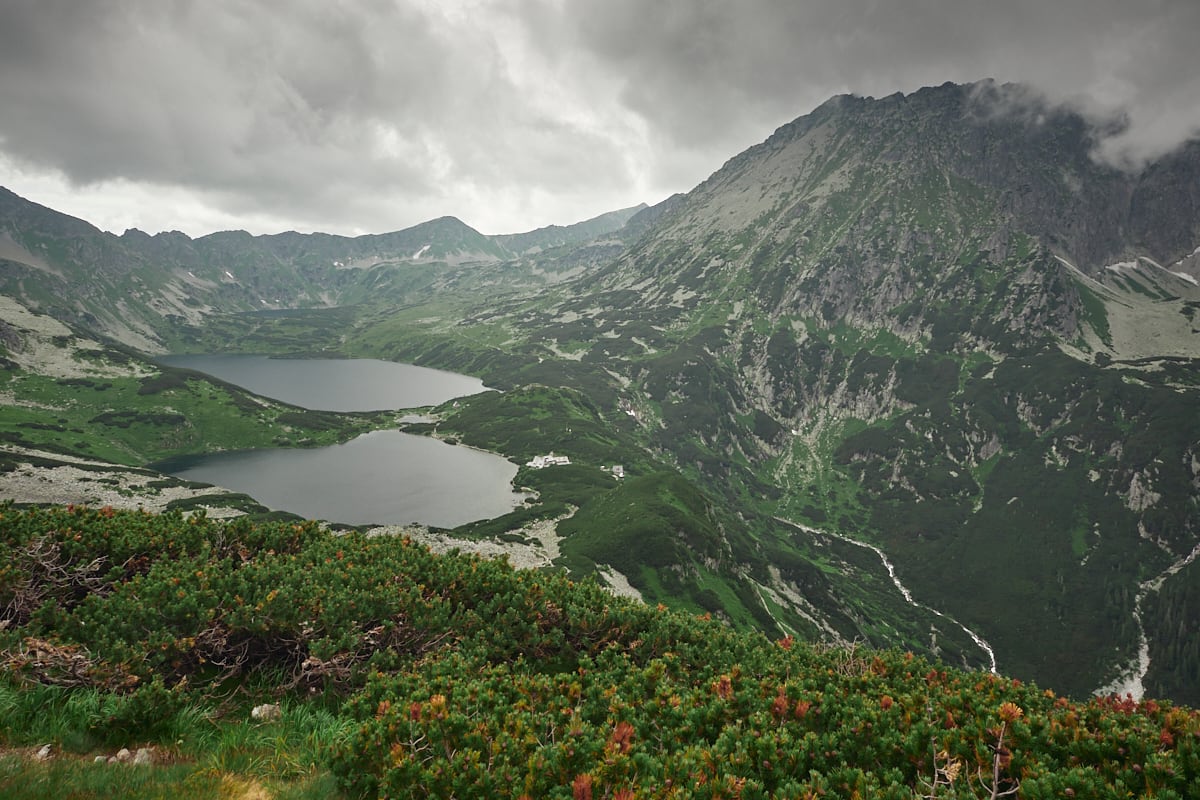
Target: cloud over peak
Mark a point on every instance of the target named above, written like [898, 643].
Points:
[510, 114]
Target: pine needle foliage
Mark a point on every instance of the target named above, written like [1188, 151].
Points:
[458, 676]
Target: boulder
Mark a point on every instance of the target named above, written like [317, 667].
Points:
[267, 712]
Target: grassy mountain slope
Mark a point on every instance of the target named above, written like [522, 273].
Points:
[675, 540]
[557, 236]
[905, 319]
[931, 323]
[403, 674]
[154, 291]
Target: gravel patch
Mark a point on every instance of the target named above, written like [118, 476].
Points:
[96, 483]
[618, 584]
[48, 347]
[539, 550]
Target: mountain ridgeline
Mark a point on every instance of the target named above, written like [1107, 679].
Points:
[938, 322]
[142, 289]
[935, 325]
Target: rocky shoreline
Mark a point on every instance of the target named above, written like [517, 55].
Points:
[39, 477]
[52, 478]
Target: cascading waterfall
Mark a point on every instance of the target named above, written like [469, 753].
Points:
[1131, 678]
[908, 598]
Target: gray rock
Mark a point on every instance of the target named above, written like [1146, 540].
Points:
[144, 756]
[267, 712]
[44, 752]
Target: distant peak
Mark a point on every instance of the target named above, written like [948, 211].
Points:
[447, 220]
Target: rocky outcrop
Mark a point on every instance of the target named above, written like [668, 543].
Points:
[267, 712]
[1140, 496]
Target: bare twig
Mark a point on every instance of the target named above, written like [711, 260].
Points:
[45, 662]
[49, 574]
[1000, 758]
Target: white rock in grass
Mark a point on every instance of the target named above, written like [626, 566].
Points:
[124, 756]
[267, 712]
[43, 753]
[144, 755]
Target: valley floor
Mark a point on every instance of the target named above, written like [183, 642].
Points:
[48, 478]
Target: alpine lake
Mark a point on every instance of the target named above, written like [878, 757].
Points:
[384, 477]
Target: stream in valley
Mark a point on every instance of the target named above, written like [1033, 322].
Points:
[1131, 678]
[904, 592]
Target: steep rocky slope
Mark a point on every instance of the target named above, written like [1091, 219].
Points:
[937, 322]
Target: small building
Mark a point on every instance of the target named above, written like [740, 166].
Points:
[551, 460]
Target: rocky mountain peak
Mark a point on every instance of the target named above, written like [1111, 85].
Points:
[888, 212]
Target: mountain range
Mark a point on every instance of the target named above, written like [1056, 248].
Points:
[935, 326]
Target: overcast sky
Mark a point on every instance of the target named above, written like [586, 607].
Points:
[374, 115]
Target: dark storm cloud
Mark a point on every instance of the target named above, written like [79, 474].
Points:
[329, 112]
[705, 71]
[378, 114]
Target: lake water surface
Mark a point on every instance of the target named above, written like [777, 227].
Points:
[334, 384]
[382, 477]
